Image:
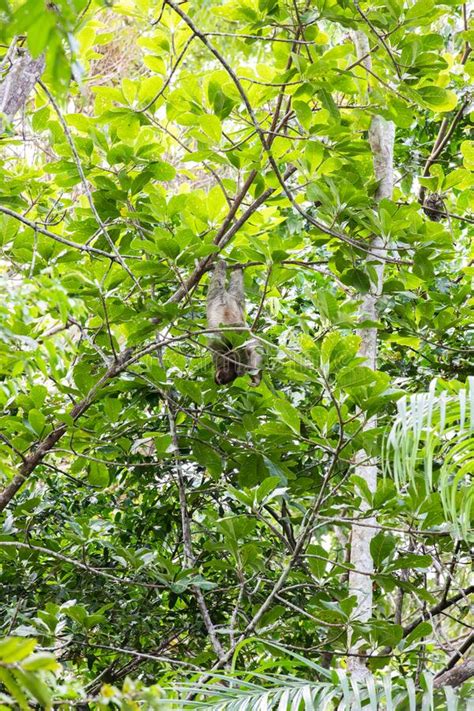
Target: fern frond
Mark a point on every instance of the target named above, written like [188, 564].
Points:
[437, 428]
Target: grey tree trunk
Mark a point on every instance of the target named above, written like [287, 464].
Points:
[381, 139]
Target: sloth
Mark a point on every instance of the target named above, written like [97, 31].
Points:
[434, 208]
[226, 307]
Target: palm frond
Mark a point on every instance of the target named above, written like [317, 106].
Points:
[289, 693]
[436, 428]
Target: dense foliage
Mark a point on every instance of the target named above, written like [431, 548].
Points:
[155, 525]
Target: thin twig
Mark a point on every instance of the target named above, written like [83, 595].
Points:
[81, 566]
[438, 608]
[262, 300]
[442, 139]
[189, 559]
[169, 78]
[62, 240]
[379, 37]
[260, 38]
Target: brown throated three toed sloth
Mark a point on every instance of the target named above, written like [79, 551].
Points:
[226, 307]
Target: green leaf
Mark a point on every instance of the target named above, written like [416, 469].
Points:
[98, 474]
[467, 150]
[317, 559]
[356, 376]
[40, 119]
[149, 89]
[329, 344]
[303, 112]
[356, 278]
[202, 583]
[112, 407]
[14, 649]
[237, 527]
[78, 613]
[244, 497]
[41, 661]
[267, 486]
[420, 8]
[207, 457]
[8, 680]
[162, 171]
[328, 103]
[382, 546]
[314, 152]
[35, 686]
[38, 394]
[288, 413]
[327, 305]
[412, 561]
[363, 488]
[386, 634]
[189, 389]
[437, 99]
[424, 629]
[140, 180]
[129, 89]
[211, 126]
[40, 32]
[37, 420]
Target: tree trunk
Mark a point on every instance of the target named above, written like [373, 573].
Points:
[381, 139]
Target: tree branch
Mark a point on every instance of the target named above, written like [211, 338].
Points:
[456, 676]
[81, 566]
[380, 37]
[62, 240]
[443, 605]
[44, 446]
[189, 559]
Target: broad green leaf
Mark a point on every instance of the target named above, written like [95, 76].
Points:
[40, 32]
[420, 631]
[267, 486]
[8, 680]
[35, 686]
[288, 414]
[162, 171]
[317, 560]
[14, 649]
[211, 126]
[38, 394]
[98, 474]
[357, 376]
[207, 457]
[40, 661]
[382, 546]
[437, 99]
[467, 150]
[357, 279]
[37, 420]
[412, 561]
[386, 633]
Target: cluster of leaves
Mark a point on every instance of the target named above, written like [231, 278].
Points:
[25, 674]
[120, 189]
